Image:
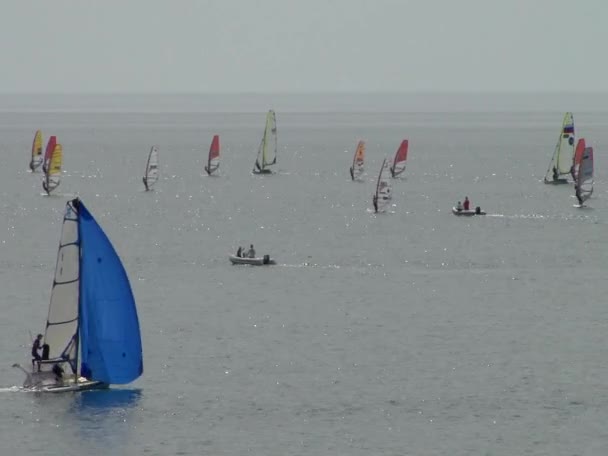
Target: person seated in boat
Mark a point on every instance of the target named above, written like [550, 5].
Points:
[459, 206]
[36, 347]
[239, 251]
[466, 203]
[251, 252]
[555, 174]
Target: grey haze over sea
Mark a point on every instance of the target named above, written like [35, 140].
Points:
[408, 333]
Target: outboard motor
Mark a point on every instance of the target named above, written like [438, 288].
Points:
[45, 351]
[266, 259]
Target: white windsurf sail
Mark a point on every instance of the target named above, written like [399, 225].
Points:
[267, 152]
[151, 175]
[383, 196]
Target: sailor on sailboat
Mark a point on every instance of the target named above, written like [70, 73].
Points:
[92, 336]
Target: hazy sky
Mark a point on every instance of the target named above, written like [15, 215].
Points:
[303, 45]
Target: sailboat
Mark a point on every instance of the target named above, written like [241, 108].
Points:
[267, 152]
[92, 336]
[50, 146]
[561, 162]
[52, 173]
[583, 185]
[356, 170]
[37, 158]
[151, 174]
[400, 158]
[383, 196]
[213, 160]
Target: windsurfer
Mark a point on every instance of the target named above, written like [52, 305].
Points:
[145, 183]
[555, 174]
[251, 252]
[459, 206]
[466, 203]
[375, 202]
[578, 195]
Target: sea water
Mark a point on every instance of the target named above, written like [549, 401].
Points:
[407, 333]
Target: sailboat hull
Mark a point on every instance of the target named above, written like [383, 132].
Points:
[556, 181]
[262, 171]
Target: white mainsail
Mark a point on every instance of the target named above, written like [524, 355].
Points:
[62, 320]
[151, 175]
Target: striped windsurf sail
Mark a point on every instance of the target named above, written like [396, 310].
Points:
[383, 196]
[267, 152]
[52, 176]
[356, 170]
[578, 155]
[400, 159]
[561, 162]
[50, 146]
[37, 157]
[584, 176]
[151, 174]
[213, 159]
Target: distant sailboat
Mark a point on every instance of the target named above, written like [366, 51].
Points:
[37, 158]
[50, 146]
[356, 170]
[400, 159]
[383, 196]
[213, 160]
[92, 337]
[151, 174]
[561, 162]
[267, 152]
[52, 173]
[583, 185]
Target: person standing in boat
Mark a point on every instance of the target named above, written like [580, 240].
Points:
[466, 203]
[251, 252]
[36, 347]
[239, 251]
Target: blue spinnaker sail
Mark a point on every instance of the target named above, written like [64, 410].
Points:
[110, 339]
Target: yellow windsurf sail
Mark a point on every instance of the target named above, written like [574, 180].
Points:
[37, 158]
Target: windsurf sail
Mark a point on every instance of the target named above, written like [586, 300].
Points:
[37, 158]
[151, 175]
[400, 159]
[267, 152]
[52, 175]
[356, 170]
[584, 176]
[578, 155]
[383, 196]
[561, 162]
[213, 160]
[50, 146]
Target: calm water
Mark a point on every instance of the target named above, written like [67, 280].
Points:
[409, 333]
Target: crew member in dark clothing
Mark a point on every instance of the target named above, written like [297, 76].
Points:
[36, 347]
